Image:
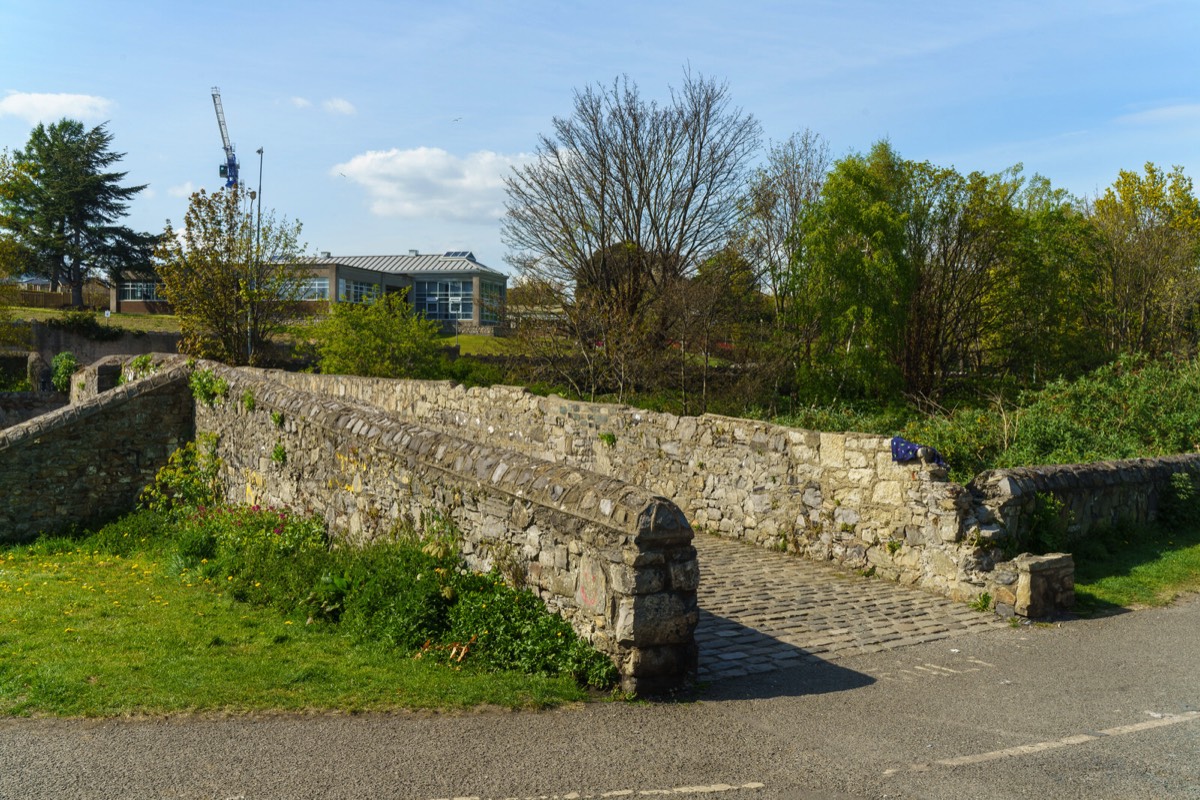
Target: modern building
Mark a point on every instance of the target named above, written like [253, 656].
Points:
[450, 288]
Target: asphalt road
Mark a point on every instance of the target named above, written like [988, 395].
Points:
[1093, 709]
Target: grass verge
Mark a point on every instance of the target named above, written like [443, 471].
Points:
[1150, 566]
[85, 632]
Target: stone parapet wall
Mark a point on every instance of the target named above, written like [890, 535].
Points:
[612, 558]
[1092, 496]
[17, 407]
[828, 496]
[88, 462]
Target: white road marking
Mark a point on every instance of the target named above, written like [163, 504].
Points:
[1159, 721]
[715, 788]
[928, 670]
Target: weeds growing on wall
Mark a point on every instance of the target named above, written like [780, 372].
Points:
[62, 367]
[137, 367]
[207, 387]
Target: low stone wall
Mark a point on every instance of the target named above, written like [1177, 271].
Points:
[1092, 496]
[49, 342]
[827, 496]
[17, 407]
[88, 462]
[612, 558]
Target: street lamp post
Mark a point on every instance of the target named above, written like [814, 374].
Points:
[257, 196]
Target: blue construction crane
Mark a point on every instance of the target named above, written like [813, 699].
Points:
[229, 170]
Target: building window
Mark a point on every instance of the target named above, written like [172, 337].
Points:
[356, 291]
[315, 289]
[491, 302]
[445, 300]
[141, 290]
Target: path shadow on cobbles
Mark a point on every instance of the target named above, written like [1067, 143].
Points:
[741, 663]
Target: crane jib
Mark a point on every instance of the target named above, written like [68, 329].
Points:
[228, 170]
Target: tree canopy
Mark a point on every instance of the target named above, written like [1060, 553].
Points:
[60, 203]
[232, 283]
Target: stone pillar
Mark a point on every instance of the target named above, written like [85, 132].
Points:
[1045, 584]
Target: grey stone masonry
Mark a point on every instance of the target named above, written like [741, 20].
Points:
[612, 558]
[1091, 496]
[87, 462]
[827, 496]
[16, 407]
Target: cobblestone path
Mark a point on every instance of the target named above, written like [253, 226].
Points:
[761, 611]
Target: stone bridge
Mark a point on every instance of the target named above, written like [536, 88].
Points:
[595, 500]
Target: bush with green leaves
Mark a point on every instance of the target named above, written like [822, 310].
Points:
[1132, 408]
[382, 338]
[190, 479]
[410, 591]
[62, 367]
[264, 556]
[507, 628]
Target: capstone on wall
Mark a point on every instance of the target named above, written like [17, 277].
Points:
[612, 558]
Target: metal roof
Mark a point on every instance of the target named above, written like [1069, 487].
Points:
[455, 261]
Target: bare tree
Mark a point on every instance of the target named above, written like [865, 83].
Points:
[623, 200]
[777, 195]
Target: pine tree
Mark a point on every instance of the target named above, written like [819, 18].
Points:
[60, 204]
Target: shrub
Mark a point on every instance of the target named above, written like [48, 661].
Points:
[62, 367]
[1179, 502]
[1048, 525]
[190, 479]
[506, 628]
[384, 338]
[132, 532]
[1131, 408]
[263, 556]
[400, 596]
[248, 401]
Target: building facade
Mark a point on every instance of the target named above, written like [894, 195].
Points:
[450, 288]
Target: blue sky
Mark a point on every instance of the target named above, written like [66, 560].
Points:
[387, 126]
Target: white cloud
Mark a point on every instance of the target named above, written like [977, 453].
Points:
[338, 105]
[301, 102]
[183, 190]
[428, 182]
[33, 107]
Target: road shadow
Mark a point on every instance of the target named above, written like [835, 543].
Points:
[741, 663]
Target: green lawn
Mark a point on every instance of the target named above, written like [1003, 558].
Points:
[84, 633]
[1136, 568]
[168, 323]
[474, 345]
